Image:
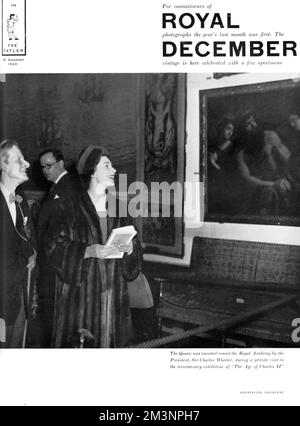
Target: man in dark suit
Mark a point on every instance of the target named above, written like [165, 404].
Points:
[17, 253]
[53, 167]
[63, 186]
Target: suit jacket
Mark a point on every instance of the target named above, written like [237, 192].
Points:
[15, 249]
[64, 188]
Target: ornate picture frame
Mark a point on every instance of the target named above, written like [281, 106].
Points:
[250, 153]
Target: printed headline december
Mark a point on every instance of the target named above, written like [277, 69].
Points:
[219, 48]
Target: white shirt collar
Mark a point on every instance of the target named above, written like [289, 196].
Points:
[60, 176]
[5, 191]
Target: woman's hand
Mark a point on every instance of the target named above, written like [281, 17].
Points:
[212, 157]
[283, 186]
[126, 248]
[98, 251]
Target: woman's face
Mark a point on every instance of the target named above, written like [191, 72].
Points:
[105, 173]
[228, 131]
[294, 120]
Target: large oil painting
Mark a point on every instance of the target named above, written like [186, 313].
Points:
[250, 153]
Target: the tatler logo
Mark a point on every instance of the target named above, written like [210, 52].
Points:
[2, 331]
[13, 27]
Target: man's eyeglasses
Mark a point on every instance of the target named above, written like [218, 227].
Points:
[48, 166]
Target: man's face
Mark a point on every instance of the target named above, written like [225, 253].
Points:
[51, 168]
[250, 124]
[15, 167]
[294, 121]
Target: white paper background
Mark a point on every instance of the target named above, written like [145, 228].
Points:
[126, 36]
[75, 36]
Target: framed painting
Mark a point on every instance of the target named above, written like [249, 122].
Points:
[250, 153]
[160, 161]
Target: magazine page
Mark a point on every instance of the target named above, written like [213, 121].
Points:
[189, 113]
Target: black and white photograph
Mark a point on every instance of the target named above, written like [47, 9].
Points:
[149, 204]
[75, 146]
[251, 152]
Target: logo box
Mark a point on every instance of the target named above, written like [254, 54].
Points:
[13, 27]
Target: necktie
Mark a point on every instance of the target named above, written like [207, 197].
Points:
[52, 190]
[21, 220]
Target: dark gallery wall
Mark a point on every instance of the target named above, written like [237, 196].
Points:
[70, 111]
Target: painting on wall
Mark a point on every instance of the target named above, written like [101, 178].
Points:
[160, 161]
[250, 153]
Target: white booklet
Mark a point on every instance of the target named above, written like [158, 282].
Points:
[119, 235]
